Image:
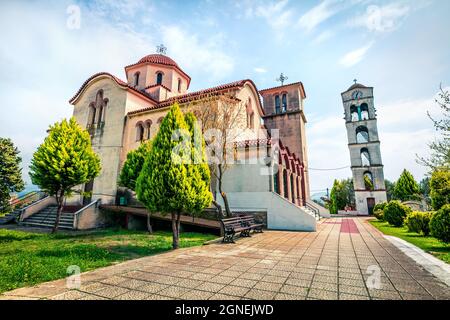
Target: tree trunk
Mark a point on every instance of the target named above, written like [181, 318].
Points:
[219, 208]
[59, 201]
[149, 226]
[223, 194]
[175, 233]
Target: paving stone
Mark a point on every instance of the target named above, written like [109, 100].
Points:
[111, 292]
[133, 295]
[210, 286]
[220, 296]
[322, 294]
[275, 279]
[383, 294]
[70, 295]
[268, 286]
[346, 296]
[234, 291]
[285, 296]
[197, 295]
[353, 290]
[153, 287]
[257, 294]
[294, 290]
[173, 292]
[244, 283]
[222, 279]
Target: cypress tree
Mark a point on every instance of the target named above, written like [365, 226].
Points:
[10, 173]
[168, 183]
[406, 188]
[63, 161]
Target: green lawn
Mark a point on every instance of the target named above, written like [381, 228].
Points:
[30, 258]
[428, 244]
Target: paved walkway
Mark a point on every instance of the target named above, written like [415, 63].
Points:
[331, 263]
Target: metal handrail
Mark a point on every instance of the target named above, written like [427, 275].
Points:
[315, 210]
[77, 213]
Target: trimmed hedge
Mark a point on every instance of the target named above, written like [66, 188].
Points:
[440, 224]
[419, 222]
[395, 213]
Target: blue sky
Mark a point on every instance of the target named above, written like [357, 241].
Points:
[400, 48]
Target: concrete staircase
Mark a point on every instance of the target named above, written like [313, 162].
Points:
[10, 217]
[46, 219]
[311, 212]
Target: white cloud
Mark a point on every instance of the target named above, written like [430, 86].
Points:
[276, 14]
[382, 18]
[259, 70]
[318, 14]
[204, 55]
[323, 36]
[355, 56]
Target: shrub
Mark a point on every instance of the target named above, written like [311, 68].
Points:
[440, 189]
[440, 224]
[395, 213]
[379, 214]
[379, 206]
[419, 222]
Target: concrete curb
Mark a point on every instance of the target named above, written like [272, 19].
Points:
[437, 267]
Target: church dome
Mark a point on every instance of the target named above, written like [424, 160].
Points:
[159, 59]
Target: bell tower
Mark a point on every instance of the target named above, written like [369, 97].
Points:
[364, 146]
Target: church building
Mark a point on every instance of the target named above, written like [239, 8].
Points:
[270, 169]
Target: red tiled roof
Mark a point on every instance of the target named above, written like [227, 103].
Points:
[214, 91]
[121, 83]
[158, 59]
[285, 85]
[156, 85]
[195, 95]
[163, 60]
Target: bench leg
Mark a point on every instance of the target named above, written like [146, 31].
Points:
[228, 238]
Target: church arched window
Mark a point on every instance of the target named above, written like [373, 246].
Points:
[292, 188]
[91, 116]
[277, 104]
[159, 78]
[365, 157]
[276, 182]
[148, 126]
[136, 78]
[284, 102]
[160, 120]
[362, 134]
[368, 180]
[250, 115]
[364, 111]
[354, 116]
[179, 85]
[285, 185]
[139, 131]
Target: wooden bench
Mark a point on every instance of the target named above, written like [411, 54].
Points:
[241, 224]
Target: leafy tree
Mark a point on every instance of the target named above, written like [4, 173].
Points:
[224, 118]
[390, 186]
[168, 183]
[133, 165]
[424, 186]
[63, 161]
[406, 187]
[10, 173]
[341, 195]
[440, 149]
[198, 169]
[131, 170]
[440, 189]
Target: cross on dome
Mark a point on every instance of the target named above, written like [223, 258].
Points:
[161, 49]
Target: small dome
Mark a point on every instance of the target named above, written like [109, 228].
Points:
[159, 59]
